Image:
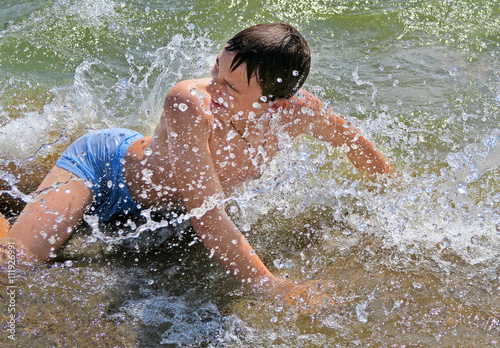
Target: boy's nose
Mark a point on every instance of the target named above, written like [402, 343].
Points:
[212, 87]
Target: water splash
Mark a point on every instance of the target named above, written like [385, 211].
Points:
[171, 315]
[420, 252]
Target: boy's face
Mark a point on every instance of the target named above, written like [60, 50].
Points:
[230, 91]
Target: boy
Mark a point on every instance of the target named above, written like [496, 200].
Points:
[214, 134]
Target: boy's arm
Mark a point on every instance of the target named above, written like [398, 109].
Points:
[329, 127]
[198, 182]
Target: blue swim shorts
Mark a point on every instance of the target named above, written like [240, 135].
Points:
[98, 157]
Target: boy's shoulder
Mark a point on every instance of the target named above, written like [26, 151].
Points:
[188, 98]
[189, 94]
[303, 106]
[189, 90]
[305, 98]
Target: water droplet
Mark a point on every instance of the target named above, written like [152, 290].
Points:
[230, 135]
[52, 240]
[148, 151]
[110, 184]
[295, 73]
[234, 241]
[263, 99]
[68, 263]
[252, 252]
[361, 312]
[462, 188]
[173, 134]
[246, 227]
[183, 107]
[190, 26]
[279, 80]
[307, 111]
[446, 242]
[453, 71]
[256, 105]
[417, 285]
[474, 240]
[274, 319]
[151, 282]
[278, 263]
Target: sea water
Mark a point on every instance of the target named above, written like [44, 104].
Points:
[415, 261]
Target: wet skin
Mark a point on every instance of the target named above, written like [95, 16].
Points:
[213, 135]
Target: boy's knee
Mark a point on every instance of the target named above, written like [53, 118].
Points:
[14, 253]
[4, 226]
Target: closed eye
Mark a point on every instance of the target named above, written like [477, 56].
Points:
[229, 85]
[232, 87]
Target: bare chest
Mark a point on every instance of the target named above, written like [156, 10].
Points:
[238, 159]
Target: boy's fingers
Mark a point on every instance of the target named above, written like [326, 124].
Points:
[310, 296]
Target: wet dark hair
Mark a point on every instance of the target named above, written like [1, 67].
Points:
[277, 54]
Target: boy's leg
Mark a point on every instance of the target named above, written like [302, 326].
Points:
[4, 226]
[45, 223]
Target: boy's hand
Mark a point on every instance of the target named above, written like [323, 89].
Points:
[310, 296]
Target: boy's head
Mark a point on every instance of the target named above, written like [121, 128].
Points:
[276, 54]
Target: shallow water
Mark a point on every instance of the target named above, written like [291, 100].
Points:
[415, 262]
